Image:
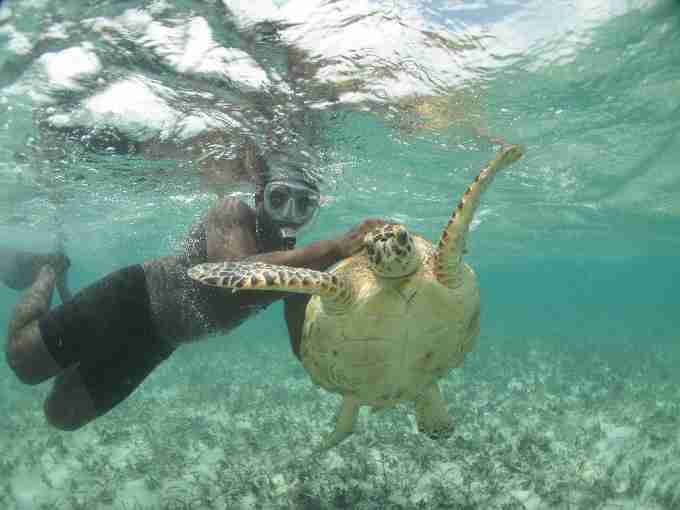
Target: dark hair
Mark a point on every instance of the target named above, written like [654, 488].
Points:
[283, 166]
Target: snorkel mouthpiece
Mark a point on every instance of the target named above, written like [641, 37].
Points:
[288, 236]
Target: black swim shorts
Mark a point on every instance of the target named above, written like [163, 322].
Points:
[107, 329]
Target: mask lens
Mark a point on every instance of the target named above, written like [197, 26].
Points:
[278, 197]
[291, 203]
[306, 206]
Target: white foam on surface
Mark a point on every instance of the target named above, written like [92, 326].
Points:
[58, 30]
[66, 67]
[254, 11]
[130, 106]
[187, 45]
[18, 43]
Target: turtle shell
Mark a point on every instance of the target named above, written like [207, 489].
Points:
[399, 336]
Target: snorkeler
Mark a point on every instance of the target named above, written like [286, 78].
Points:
[106, 340]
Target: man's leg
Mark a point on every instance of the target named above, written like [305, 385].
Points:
[26, 352]
[86, 391]
[19, 269]
[104, 337]
[69, 405]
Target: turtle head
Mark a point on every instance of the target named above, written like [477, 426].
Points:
[391, 251]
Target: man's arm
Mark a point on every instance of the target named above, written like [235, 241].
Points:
[231, 236]
[322, 254]
[319, 256]
[230, 231]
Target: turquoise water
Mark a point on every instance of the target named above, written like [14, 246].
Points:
[569, 401]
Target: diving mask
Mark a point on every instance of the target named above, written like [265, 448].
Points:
[291, 205]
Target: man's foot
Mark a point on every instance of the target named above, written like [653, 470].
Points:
[60, 262]
[24, 267]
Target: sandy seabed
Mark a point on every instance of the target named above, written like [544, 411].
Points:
[220, 426]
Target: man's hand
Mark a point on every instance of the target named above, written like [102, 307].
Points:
[353, 241]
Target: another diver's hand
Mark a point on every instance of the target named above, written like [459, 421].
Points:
[353, 241]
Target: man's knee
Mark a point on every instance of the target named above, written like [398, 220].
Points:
[21, 358]
[62, 416]
[69, 405]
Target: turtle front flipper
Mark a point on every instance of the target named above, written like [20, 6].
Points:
[452, 242]
[335, 291]
[431, 415]
[344, 424]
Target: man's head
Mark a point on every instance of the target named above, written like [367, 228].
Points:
[287, 202]
[290, 206]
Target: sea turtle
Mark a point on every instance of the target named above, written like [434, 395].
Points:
[384, 325]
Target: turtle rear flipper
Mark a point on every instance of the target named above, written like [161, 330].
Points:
[344, 424]
[431, 415]
[452, 242]
[335, 291]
